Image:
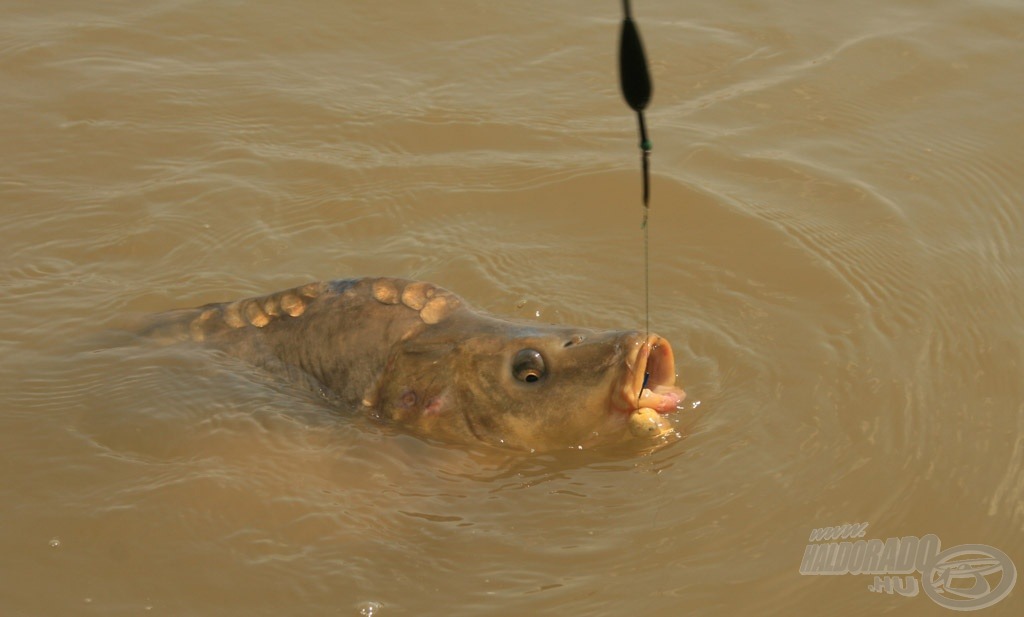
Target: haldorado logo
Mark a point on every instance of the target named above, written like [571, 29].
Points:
[959, 578]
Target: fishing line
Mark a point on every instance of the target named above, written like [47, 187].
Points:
[635, 82]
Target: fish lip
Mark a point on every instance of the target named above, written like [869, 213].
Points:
[649, 355]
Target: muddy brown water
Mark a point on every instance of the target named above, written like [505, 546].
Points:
[836, 255]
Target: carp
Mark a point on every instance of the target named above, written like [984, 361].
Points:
[417, 355]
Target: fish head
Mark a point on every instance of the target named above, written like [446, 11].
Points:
[525, 386]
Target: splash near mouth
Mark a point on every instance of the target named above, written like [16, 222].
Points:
[650, 381]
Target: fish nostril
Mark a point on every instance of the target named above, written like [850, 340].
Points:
[575, 340]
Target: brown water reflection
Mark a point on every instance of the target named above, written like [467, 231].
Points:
[836, 233]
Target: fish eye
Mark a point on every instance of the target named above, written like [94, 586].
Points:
[528, 366]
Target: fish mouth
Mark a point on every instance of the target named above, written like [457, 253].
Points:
[650, 378]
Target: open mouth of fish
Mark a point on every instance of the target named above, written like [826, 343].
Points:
[650, 378]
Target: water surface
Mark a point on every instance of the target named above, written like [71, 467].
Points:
[836, 232]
